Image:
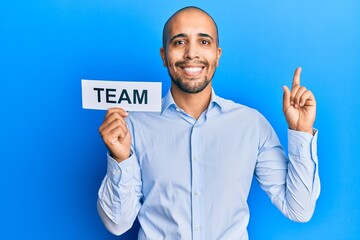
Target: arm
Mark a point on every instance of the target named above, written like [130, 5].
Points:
[292, 183]
[120, 192]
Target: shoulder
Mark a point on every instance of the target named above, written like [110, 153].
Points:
[241, 113]
[229, 106]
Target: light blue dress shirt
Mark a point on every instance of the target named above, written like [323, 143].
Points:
[190, 179]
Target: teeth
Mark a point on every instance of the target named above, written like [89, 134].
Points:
[193, 69]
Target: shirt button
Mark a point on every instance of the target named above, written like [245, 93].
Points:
[196, 193]
[302, 145]
[127, 169]
[178, 109]
[116, 171]
[196, 159]
[198, 228]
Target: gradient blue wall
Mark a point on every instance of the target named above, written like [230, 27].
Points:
[52, 157]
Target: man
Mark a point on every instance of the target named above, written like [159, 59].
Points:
[186, 172]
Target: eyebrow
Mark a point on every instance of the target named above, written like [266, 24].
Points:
[206, 36]
[181, 35]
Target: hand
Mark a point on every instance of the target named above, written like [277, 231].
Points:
[299, 106]
[115, 134]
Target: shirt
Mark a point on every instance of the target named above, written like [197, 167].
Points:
[190, 179]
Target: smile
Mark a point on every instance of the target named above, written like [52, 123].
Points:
[192, 69]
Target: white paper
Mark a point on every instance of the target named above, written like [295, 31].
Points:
[131, 96]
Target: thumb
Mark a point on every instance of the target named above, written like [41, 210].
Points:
[286, 98]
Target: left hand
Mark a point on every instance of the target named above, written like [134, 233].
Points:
[299, 106]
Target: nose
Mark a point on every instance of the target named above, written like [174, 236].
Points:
[191, 51]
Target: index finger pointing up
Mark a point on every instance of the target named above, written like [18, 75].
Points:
[296, 79]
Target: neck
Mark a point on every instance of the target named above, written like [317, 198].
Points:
[193, 104]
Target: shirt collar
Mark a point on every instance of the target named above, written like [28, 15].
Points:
[168, 101]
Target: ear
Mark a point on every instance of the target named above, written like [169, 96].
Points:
[163, 56]
[219, 52]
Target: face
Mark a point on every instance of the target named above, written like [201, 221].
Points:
[192, 53]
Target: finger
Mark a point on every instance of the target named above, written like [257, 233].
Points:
[307, 99]
[296, 78]
[286, 98]
[118, 134]
[120, 111]
[293, 93]
[298, 95]
[115, 134]
[112, 124]
[110, 117]
[115, 115]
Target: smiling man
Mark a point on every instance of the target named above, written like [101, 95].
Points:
[191, 54]
[186, 172]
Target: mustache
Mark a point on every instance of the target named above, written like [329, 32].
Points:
[183, 63]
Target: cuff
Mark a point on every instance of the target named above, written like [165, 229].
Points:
[302, 144]
[120, 172]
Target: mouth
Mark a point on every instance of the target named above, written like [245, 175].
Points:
[191, 71]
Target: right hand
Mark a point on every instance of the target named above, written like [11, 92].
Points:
[116, 134]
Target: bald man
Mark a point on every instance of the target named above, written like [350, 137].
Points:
[186, 172]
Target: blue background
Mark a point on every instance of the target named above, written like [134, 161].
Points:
[53, 159]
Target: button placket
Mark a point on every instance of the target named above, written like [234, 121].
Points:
[196, 182]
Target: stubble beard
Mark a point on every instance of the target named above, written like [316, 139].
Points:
[192, 85]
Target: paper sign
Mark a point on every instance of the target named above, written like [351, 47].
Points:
[131, 96]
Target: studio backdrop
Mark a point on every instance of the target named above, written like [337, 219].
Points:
[52, 158]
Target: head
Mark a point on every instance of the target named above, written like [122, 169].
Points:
[190, 49]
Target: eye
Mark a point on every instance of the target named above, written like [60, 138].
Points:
[204, 41]
[179, 42]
